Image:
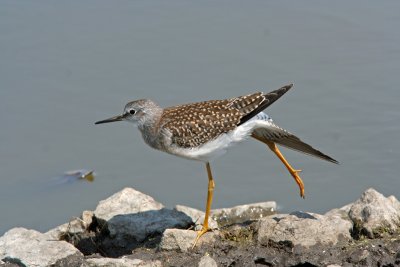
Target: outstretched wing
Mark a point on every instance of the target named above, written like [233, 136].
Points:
[271, 132]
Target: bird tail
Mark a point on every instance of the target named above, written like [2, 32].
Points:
[290, 141]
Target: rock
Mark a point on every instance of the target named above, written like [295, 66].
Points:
[75, 226]
[182, 240]
[342, 212]
[207, 261]
[73, 260]
[242, 213]
[303, 229]
[140, 225]
[121, 262]
[87, 217]
[197, 217]
[127, 201]
[373, 214]
[31, 248]
[240, 234]
[130, 215]
[177, 239]
[395, 202]
[360, 257]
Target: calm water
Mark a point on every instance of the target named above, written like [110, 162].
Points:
[65, 65]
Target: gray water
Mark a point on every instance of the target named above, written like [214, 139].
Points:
[66, 64]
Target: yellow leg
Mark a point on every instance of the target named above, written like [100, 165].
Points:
[292, 171]
[211, 186]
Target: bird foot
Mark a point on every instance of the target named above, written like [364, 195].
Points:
[298, 180]
[203, 230]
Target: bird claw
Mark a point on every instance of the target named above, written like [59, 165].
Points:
[298, 180]
[199, 234]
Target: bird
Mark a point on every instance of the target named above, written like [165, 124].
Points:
[205, 130]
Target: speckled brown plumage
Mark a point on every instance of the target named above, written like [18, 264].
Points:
[197, 131]
[192, 125]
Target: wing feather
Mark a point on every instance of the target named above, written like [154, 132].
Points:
[263, 101]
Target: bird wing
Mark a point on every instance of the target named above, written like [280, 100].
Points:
[194, 124]
[253, 104]
[271, 132]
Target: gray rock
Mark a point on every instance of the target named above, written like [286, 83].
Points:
[207, 261]
[87, 217]
[177, 239]
[197, 217]
[138, 226]
[127, 201]
[182, 240]
[304, 229]
[395, 202]
[130, 215]
[374, 214]
[121, 262]
[75, 226]
[360, 257]
[32, 248]
[242, 213]
[342, 212]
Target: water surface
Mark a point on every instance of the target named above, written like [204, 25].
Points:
[65, 65]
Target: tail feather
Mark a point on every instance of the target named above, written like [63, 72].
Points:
[286, 139]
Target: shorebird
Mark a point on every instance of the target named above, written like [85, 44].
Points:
[205, 130]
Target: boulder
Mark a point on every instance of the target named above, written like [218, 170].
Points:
[73, 227]
[140, 225]
[373, 214]
[242, 213]
[177, 240]
[121, 262]
[182, 240]
[197, 217]
[342, 212]
[127, 201]
[207, 261]
[131, 216]
[303, 229]
[31, 248]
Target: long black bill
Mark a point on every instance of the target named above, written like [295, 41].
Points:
[112, 119]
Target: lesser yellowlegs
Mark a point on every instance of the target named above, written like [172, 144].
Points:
[205, 130]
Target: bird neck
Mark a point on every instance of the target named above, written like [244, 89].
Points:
[149, 127]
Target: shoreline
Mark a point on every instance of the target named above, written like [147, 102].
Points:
[132, 229]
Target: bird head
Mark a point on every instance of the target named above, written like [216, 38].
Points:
[139, 112]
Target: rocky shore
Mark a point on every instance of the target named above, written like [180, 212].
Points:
[132, 229]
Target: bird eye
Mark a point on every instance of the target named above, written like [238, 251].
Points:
[132, 111]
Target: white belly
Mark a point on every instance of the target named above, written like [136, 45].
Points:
[218, 146]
